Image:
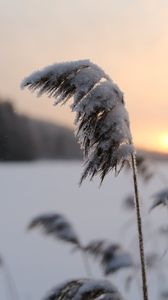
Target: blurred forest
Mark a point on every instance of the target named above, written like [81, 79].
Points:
[24, 138]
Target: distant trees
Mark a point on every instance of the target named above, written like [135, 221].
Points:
[23, 138]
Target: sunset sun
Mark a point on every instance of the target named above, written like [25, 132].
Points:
[163, 141]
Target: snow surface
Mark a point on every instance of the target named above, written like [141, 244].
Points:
[38, 263]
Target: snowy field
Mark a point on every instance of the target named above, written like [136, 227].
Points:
[37, 263]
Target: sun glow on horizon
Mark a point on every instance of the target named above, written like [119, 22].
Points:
[151, 140]
[163, 142]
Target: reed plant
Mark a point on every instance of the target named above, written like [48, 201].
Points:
[102, 125]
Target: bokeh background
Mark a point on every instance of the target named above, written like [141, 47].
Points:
[129, 39]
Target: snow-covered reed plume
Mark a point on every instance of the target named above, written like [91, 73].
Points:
[111, 256]
[102, 122]
[55, 225]
[114, 260]
[85, 289]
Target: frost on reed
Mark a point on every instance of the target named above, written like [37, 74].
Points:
[55, 225]
[102, 122]
[85, 289]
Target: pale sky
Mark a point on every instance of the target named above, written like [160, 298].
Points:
[127, 38]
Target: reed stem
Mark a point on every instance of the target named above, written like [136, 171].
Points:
[139, 228]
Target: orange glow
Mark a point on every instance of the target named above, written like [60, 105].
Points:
[155, 139]
[163, 142]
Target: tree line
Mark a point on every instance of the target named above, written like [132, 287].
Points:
[23, 138]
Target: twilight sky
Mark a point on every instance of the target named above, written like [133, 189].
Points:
[127, 38]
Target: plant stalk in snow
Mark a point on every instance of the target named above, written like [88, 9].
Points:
[139, 228]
